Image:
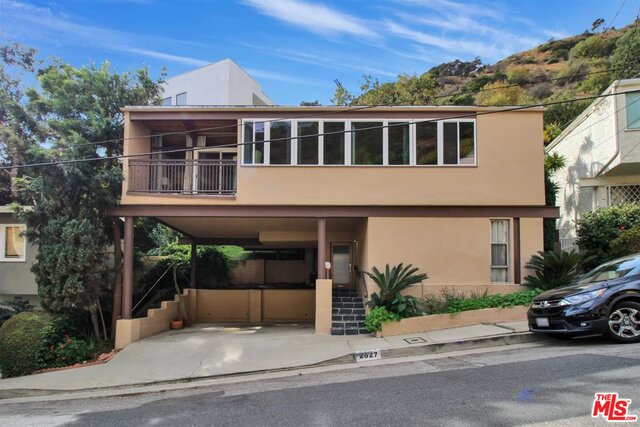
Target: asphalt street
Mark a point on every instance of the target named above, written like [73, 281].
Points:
[551, 383]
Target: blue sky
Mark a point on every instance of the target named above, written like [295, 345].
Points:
[297, 48]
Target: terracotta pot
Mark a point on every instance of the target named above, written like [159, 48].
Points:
[177, 324]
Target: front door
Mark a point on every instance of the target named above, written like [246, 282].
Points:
[341, 264]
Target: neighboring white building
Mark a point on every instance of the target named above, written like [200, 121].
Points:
[602, 151]
[220, 83]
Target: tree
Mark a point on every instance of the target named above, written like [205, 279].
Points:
[405, 90]
[552, 163]
[624, 60]
[17, 127]
[341, 96]
[315, 103]
[78, 108]
[502, 93]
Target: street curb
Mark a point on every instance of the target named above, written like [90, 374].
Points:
[16, 395]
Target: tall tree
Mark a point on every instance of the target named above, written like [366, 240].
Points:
[79, 109]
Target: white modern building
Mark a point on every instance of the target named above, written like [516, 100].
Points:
[602, 152]
[220, 83]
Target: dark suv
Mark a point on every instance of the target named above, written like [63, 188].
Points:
[605, 300]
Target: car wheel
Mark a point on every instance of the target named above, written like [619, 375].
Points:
[563, 337]
[624, 322]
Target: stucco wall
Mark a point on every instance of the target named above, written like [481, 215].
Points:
[510, 159]
[454, 252]
[16, 278]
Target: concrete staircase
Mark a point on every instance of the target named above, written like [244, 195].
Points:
[347, 313]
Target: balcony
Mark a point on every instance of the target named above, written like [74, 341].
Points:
[207, 177]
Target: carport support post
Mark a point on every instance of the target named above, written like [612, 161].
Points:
[194, 253]
[127, 274]
[516, 252]
[322, 247]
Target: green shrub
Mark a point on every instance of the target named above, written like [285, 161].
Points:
[374, 319]
[598, 229]
[452, 302]
[594, 46]
[62, 344]
[627, 243]
[553, 270]
[21, 343]
[391, 283]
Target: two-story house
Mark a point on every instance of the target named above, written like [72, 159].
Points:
[456, 191]
[602, 152]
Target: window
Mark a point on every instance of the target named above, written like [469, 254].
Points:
[254, 143]
[427, 143]
[623, 194]
[399, 143]
[500, 250]
[467, 143]
[308, 143]
[280, 143]
[166, 102]
[181, 98]
[333, 143]
[366, 143]
[633, 110]
[13, 243]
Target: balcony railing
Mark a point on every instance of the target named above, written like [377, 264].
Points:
[213, 177]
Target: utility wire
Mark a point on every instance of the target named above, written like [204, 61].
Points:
[347, 131]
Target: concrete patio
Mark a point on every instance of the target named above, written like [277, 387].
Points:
[207, 350]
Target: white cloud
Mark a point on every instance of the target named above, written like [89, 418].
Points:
[313, 17]
[43, 23]
[279, 77]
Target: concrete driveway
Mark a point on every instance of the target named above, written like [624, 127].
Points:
[199, 351]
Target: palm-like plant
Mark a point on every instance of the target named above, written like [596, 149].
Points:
[553, 270]
[391, 283]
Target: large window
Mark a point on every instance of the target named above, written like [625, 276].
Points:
[357, 142]
[366, 143]
[181, 98]
[166, 102]
[308, 143]
[12, 243]
[399, 143]
[334, 138]
[633, 110]
[280, 145]
[500, 250]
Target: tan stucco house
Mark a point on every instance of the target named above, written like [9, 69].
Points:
[16, 258]
[456, 191]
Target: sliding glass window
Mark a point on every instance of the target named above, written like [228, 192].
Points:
[280, 145]
[399, 143]
[334, 137]
[426, 143]
[366, 140]
[308, 143]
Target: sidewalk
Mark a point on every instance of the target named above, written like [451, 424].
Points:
[206, 351]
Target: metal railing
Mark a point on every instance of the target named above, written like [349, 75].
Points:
[217, 177]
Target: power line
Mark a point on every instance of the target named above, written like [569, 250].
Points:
[351, 108]
[400, 123]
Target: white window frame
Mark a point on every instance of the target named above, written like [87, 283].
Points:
[507, 244]
[348, 141]
[3, 241]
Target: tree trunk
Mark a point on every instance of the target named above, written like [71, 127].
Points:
[94, 320]
[117, 284]
[13, 174]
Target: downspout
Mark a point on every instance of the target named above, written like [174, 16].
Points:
[614, 90]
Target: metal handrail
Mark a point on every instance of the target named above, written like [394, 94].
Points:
[183, 176]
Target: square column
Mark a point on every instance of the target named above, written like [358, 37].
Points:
[127, 273]
[322, 247]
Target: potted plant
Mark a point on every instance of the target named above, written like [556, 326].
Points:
[182, 320]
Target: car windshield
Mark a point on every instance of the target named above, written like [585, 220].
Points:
[611, 271]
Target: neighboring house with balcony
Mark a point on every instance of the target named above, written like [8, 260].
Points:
[220, 83]
[456, 191]
[16, 258]
[602, 152]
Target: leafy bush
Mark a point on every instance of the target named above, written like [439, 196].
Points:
[627, 243]
[61, 344]
[21, 343]
[596, 231]
[374, 319]
[517, 74]
[391, 283]
[9, 309]
[451, 302]
[594, 46]
[553, 270]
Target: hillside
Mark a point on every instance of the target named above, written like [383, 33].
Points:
[576, 66]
